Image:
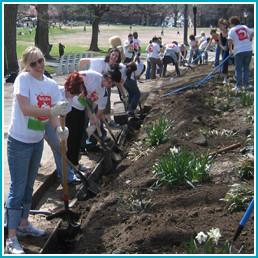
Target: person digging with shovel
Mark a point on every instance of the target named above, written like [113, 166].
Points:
[89, 88]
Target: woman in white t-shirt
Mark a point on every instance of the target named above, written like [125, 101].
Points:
[240, 36]
[90, 90]
[35, 101]
[103, 65]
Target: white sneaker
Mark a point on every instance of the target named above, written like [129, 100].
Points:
[236, 90]
[249, 87]
[30, 230]
[225, 81]
[13, 246]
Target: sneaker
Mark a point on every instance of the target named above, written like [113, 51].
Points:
[225, 81]
[30, 230]
[249, 87]
[13, 246]
[236, 89]
[76, 181]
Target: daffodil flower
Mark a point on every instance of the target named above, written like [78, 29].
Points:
[201, 237]
[214, 234]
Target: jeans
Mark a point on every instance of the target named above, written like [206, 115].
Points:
[154, 62]
[53, 142]
[134, 94]
[225, 54]
[217, 54]
[148, 71]
[242, 61]
[24, 160]
[195, 55]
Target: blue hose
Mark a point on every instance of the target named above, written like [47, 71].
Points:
[208, 77]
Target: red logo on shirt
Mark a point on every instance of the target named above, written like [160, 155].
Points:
[43, 102]
[150, 49]
[242, 33]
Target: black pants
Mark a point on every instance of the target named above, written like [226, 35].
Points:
[75, 122]
[168, 60]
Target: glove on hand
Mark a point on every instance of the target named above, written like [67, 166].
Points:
[61, 108]
[62, 134]
[90, 130]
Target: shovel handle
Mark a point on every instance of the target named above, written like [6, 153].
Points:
[64, 165]
[110, 130]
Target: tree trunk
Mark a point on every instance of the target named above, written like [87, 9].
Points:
[186, 24]
[41, 36]
[95, 35]
[10, 54]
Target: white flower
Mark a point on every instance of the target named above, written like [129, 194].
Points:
[201, 237]
[214, 234]
[174, 150]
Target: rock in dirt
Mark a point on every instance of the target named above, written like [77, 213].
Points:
[200, 140]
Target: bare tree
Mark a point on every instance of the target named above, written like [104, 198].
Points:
[10, 54]
[98, 10]
[185, 24]
[41, 36]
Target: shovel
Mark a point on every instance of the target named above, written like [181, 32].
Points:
[117, 148]
[66, 213]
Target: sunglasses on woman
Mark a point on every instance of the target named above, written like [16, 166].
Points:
[39, 61]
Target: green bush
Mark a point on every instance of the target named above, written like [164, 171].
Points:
[180, 167]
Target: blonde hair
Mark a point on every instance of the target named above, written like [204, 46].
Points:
[30, 54]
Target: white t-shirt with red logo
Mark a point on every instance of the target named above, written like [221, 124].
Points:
[95, 91]
[136, 44]
[128, 48]
[154, 50]
[42, 94]
[240, 35]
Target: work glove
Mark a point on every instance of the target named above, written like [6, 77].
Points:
[60, 109]
[90, 130]
[62, 134]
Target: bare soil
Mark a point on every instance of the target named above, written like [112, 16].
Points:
[132, 216]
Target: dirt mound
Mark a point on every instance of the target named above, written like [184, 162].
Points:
[131, 215]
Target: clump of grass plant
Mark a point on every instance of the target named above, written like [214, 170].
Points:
[246, 169]
[180, 167]
[157, 131]
[238, 197]
[246, 99]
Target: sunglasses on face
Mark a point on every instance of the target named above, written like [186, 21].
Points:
[39, 61]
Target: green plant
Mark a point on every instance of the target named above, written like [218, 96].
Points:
[180, 167]
[246, 99]
[209, 244]
[238, 197]
[246, 169]
[157, 131]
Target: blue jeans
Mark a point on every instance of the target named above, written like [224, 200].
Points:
[24, 160]
[134, 94]
[148, 71]
[217, 54]
[53, 141]
[242, 61]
